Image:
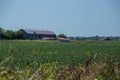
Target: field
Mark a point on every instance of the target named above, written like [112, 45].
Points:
[53, 60]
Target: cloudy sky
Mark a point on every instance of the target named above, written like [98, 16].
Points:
[71, 17]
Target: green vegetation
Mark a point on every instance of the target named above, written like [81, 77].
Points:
[46, 60]
[62, 36]
[10, 34]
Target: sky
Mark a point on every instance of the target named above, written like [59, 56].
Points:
[70, 17]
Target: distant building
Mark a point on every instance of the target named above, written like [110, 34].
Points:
[38, 34]
[64, 39]
[105, 39]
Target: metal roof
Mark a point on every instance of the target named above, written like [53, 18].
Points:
[30, 31]
[44, 32]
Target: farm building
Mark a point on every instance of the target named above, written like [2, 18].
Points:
[38, 34]
[105, 39]
[64, 39]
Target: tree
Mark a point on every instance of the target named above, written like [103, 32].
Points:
[19, 34]
[1, 33]
[62, 36]
[9, 34]
[1, 30]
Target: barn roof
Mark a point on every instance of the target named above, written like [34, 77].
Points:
[30, 31]
[43, 32]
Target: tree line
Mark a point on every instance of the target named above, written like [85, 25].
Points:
[95, 38]
[10, 34]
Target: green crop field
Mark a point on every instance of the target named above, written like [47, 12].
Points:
[53, 60]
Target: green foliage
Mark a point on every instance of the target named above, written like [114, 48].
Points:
[9, 34]
[62, 36]
[1, 33]
[19, 34]
[1, 30]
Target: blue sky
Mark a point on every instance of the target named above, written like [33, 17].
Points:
[71, 17]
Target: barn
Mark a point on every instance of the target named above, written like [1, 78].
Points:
[38, 34]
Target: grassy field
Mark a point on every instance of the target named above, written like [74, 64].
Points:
[53, 60]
